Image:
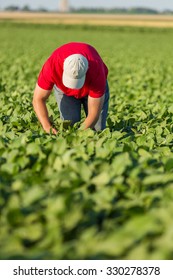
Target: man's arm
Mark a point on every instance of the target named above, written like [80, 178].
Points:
[39, 104]
[94, 109]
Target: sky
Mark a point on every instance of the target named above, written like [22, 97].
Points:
[53, 4]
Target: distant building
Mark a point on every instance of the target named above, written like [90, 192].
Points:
[63, 6]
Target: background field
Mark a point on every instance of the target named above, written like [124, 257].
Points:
[89, 19]
[86, 195]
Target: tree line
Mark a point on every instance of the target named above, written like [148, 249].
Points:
[135, 10]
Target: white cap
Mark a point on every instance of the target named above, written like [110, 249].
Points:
[75, 68]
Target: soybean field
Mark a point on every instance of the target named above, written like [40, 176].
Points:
[85, 194]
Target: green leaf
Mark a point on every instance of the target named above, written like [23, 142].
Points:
[101, 179]
[158, 179]
[32, 149]
[120, 163]
[32, 195]
[169, 164]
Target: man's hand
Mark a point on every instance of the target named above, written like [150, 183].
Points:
[94, 109]
[50, 129]
[39, 103]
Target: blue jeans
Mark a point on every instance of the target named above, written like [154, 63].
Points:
[70, 107]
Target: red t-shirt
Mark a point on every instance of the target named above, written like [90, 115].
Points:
[52, 70]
